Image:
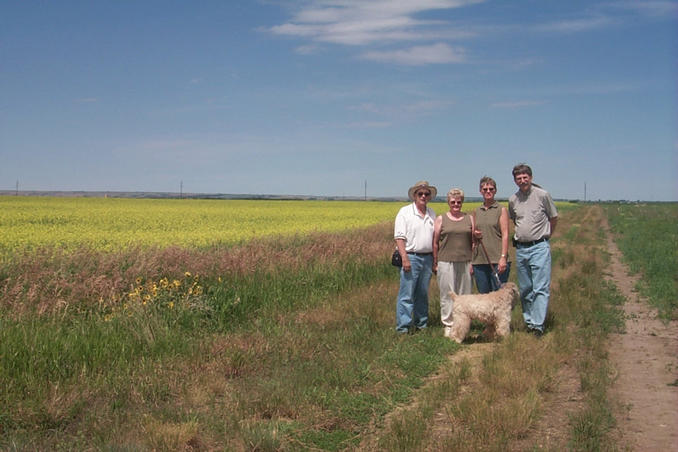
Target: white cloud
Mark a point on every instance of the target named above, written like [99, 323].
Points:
[307, 49]
[608, 14]
[439, 53]
[359, 22]
[576, 25]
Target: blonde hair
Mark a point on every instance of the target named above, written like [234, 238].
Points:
[455, 193]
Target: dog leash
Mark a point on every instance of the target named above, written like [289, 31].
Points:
[487, 256]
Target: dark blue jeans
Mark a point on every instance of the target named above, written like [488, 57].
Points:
[485, 281]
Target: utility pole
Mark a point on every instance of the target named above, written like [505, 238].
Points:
[584, 191]
[181, 189]
[17, 188]
[365, 189]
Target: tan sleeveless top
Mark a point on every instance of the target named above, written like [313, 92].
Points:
[455, 240]
[487, 221]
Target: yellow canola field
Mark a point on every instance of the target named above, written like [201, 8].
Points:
[110, 224]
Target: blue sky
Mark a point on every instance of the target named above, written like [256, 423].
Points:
[317, 97]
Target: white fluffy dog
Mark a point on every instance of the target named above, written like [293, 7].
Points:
[493, 309]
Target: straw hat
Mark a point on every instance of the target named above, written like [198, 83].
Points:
[420, 185]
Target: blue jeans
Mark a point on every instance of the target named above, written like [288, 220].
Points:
[485, 281]
[534, 278]
[412, 303]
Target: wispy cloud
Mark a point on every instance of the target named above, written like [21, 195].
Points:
[659, 8]
[378, 23]
[420, 108]
[517, 104]
[368, 125]
[87, 100]
[166, 144]
[576, 25]
[439, 53]
[307, 49]
[612, 13]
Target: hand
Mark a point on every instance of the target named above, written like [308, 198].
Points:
[478, 234]
[407, 266]
[501, 267]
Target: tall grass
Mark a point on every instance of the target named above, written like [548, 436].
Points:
[500, 403]
[283, 344]
[647, 235]
[258, 348]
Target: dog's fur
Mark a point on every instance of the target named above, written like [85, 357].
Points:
[493, 309]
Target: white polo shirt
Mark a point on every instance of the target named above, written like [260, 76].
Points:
[416, 229]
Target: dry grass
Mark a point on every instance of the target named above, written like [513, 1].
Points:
[54, 281]
[502, 394]
[323, 372]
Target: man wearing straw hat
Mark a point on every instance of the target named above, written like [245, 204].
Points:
[413, 235]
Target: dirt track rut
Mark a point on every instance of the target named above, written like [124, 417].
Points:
[645, 358]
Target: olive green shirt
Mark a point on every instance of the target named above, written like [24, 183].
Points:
[487, 221]
[455, 240]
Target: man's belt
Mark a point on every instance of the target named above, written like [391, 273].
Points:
[419, 254]
[527, 244]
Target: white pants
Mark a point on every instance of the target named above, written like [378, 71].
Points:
[452, 277]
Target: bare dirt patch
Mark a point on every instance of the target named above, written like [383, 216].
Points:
[646, 363]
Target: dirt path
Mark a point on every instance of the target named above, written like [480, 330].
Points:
[646, 361]
[644, 395]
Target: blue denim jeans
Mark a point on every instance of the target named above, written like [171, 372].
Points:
[485, 282]
[412, 303]
[534, 278]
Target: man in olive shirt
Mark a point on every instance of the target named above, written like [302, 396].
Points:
[535, 217]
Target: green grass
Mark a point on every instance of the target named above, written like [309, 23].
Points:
[647, 235]
[287, 345]
[298, 355]
[497, 404]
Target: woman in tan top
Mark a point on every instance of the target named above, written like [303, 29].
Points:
[492, 223]
[452, 252]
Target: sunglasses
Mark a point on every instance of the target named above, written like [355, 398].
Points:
[424, 193]
[454, 203]
[489, 189]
